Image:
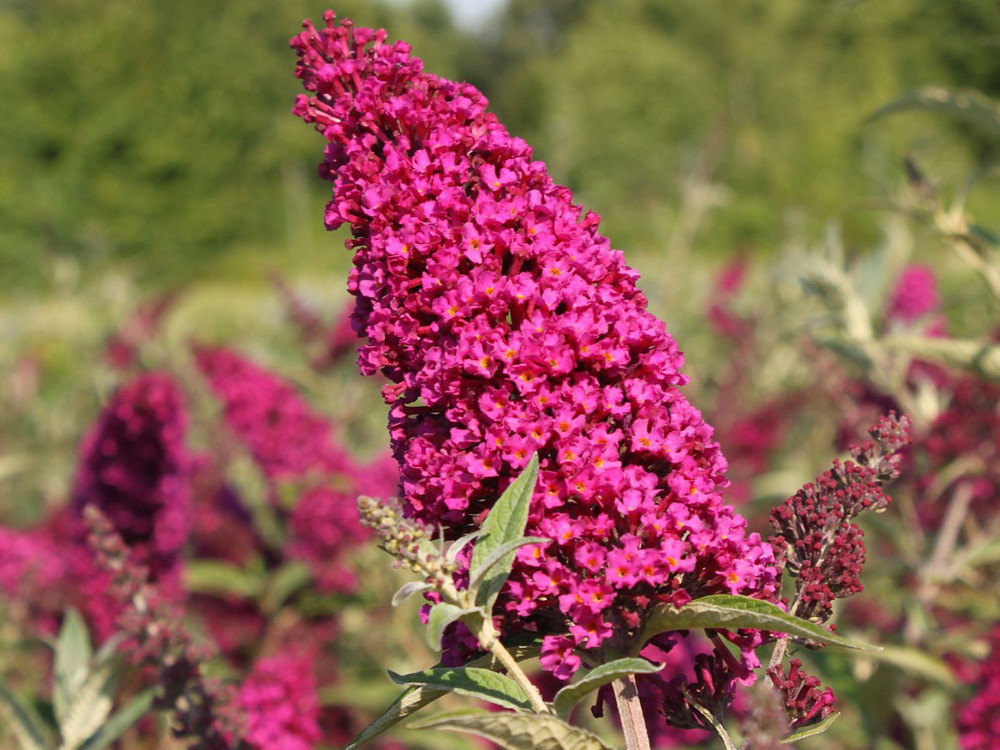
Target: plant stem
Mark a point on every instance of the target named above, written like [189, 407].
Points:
[630, 712]
[487, 635]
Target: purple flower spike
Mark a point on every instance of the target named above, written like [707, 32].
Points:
[135, 468]
[507, 325]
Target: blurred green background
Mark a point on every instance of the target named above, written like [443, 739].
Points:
[156, 137]
[146, 147]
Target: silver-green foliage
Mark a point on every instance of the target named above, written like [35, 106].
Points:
[83, 696]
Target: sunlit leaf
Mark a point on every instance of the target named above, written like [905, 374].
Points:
[441, 616]
[484, 684]
[414, 699]
[734, 612]
[516, 731]
[407, 590]
[586, 683]
[72, 661]
[505, 523]
[813, 729]
[499, 555]
[120, 722]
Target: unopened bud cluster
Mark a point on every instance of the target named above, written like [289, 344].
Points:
[407, 540]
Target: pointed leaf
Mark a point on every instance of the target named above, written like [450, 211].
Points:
[459, 544]
[407, 590]
[917, 662]
[812, 729]
[497, 555]
[412, 700]
[505, 523]
[284, 582]
[585, 684]
[967, 106]
[733, 612]
[26, 727]
[516, 731]
[121, 721]
[475, 682]
[89, 705]
[441, 616]
[72, 661]
[215, 577]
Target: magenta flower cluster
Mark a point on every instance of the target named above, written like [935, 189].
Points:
[279, 704]
[287, 439]
[507, 325]
[979, 718]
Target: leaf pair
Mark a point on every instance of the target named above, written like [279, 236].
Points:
[83, 696]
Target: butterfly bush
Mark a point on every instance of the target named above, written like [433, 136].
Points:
[507, 325]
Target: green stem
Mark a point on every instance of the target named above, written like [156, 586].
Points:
[630, 712]
[487, 635]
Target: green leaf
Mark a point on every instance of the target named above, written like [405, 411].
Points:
[72, 661]
[475, 682]
[812, 729]
[505, 523]
[412, 700]
[120, 722]
[441, 616]
[285, 581]
[516, 731]
[26, 727]
[917, 662]
[586, 683]
[406, 704]
[459, 544]
[407, 590]
[734, 612]
[220, 578]
[89, 705]
[498, 555]
[967, 106]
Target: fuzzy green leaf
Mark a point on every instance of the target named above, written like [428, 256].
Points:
[505, 523]
[441, 616]
[733, 612]
[499, 554]
[459, 544]
[475, 682]
[26, 727]
[120, 722]
[89, 705]
[967, 106]
[72, 662]
[412, 700]
[812, 729]
[586, 683]
[407, 590]
[516, 731]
